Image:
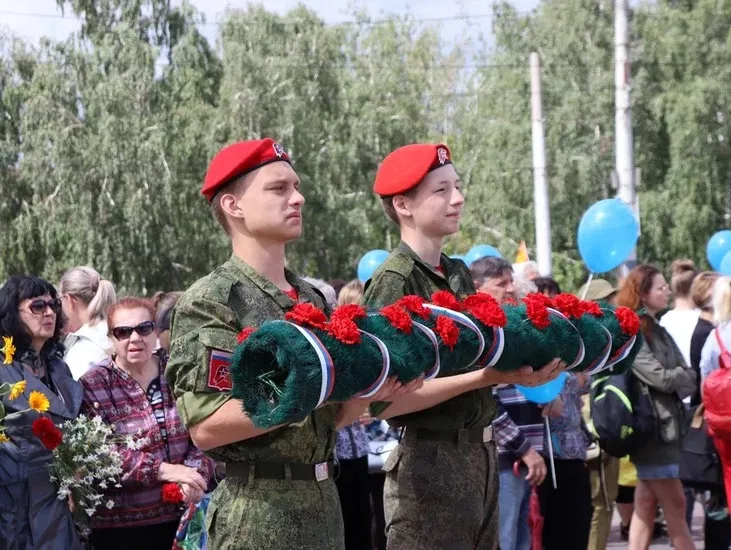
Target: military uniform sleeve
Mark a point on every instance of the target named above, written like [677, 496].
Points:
[386, 288]
[203, 337]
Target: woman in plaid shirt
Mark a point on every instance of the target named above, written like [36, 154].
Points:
[128, 390]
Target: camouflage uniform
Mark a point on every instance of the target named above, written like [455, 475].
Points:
[439, 493]
[250, 512]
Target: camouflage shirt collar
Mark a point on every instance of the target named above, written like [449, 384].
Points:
[426, 267]
[267, 286]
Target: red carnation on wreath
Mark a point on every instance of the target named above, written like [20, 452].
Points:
[349, 311]
[447, 331]
[569, 305]
[477, 299]
[592, 308]
[172, 494]
[398, 317]
[414, 304]
[49, 434]
[489, 314]
[345, 330]
[539, 298]
[537, 313]
[444, 298]
[244, 334]
[307, 315]
[629, 322]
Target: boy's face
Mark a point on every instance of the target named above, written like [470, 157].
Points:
[269, 204]
[435, 205]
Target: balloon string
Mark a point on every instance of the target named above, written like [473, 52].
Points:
[586, 286]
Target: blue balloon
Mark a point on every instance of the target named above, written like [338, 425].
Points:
[544, 393]
[725, 267]
[608, 232]
[369, 263]
[718, 246]
[480, 251]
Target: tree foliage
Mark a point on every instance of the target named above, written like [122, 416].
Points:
[106, 136]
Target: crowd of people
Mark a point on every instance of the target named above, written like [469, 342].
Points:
[468, 464]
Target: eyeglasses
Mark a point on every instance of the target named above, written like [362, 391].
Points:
[143, 329]
[38, 307]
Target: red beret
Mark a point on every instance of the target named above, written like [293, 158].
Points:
[406, 167]
[239, 159]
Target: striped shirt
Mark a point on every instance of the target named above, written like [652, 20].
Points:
[112, 394]
[518, 426]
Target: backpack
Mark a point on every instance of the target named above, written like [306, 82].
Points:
[717, 394]
[622, 413]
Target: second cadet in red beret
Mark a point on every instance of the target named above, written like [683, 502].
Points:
[404, 169]
[420, 190]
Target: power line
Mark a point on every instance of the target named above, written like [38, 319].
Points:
[464, 17]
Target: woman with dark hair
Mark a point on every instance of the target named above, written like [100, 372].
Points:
[31, 515]
[661, 367]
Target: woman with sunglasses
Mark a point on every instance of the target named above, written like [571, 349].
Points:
[31, 515]
[128, 390]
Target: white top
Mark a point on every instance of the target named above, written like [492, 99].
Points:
[711, 353]
[680, 324]
[86, 347]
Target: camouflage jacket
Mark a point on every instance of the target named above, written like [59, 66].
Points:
[404, 273]
[205, 324]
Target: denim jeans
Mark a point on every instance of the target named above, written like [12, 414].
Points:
[514, 502]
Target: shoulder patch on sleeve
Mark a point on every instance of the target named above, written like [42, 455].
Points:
[219, 374]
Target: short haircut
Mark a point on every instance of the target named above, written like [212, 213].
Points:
[131, 302]
[15, 290]
[235, 187]
[547, 285]
[489, 267]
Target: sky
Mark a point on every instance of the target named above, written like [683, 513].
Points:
[33, 19]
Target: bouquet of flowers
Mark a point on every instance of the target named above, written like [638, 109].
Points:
[85, 464]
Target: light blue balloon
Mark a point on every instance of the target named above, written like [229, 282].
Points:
[480, 251]
[544, 393]
[608, 232]
[369, 263]
[718, 246]
[725, 267]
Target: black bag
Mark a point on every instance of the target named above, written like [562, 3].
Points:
[700, 467]
[622, 413]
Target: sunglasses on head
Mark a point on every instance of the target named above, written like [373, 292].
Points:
[143, 329]
[38, 307]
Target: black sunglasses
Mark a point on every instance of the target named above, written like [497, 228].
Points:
[143, 329]
[38, 307]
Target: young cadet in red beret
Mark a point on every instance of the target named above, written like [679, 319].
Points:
[278, 492]
[442, 480]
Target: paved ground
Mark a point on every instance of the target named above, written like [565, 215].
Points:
[616, 543]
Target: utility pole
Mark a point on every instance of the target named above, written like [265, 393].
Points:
[623, 115]
[540, 182]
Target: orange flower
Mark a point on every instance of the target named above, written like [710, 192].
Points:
[38, 402]
[16, 390]
[8, 350]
